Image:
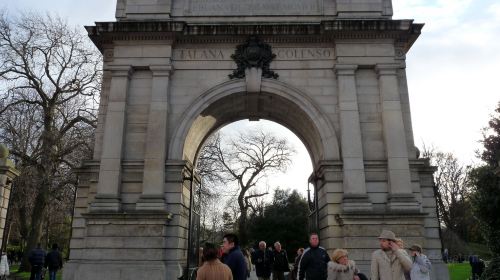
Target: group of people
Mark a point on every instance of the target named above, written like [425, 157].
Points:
[39, 260]
[390, 262]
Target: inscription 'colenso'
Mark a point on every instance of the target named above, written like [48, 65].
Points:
[281, 54]
[302, 53]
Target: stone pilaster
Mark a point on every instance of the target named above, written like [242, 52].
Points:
[153, 190]
[7, 174]
[107, 198]
[328, 181]
[355, 198]
[400, 197]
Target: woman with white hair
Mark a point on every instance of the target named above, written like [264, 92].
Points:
[341, 268]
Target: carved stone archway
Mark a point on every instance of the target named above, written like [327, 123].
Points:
[278, 102]
[334, 74]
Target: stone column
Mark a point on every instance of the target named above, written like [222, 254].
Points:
[153, 189]
[7, 175]
[355, 198]
[401, 196]
[107, 198]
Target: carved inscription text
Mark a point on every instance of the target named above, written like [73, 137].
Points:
[281, 54]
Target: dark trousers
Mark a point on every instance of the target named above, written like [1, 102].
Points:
[36, 272]
[278, 275]
[52, 274]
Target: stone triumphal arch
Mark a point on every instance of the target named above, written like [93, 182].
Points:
[332, 71]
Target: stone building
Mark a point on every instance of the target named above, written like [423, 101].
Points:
[332, 71]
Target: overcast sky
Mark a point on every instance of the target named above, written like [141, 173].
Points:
[452, 68]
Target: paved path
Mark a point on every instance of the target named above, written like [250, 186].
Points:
[254, 277]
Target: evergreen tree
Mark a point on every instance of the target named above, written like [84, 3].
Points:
[284, 220]
[486, 198]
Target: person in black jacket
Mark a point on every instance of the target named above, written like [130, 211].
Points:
[263, 261]
[293, 274]
[53, 261]
[234, 258]
[280, 262]
[313, 264]
[36, 258]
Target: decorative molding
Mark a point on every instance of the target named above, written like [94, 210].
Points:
[404, 32]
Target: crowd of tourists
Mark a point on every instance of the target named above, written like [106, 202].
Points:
[390, 262]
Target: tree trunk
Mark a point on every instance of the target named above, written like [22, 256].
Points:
[36, 226]
[242, 227]
[45, 171]
[24, 230]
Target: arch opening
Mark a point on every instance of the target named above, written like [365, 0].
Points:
[276, 102]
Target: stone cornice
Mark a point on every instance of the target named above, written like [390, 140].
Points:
[402, 31]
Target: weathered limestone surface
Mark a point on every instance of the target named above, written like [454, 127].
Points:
[8, 173]
[251, 10]
[341, 89]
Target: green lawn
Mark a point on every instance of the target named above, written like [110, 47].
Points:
[459, 271]
[26, 275]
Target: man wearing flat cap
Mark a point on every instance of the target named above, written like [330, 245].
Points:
[389, 262]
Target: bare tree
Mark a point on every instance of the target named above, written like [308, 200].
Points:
[244, 160]
[453, 185]
[49, 77]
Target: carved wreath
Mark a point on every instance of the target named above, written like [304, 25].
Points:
[253, 53]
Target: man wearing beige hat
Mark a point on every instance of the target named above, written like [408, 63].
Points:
[389, 262]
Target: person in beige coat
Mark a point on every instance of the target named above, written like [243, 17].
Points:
[212, 268]
[390, 262]
[341, 267]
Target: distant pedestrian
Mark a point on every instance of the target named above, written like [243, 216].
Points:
[280, 262]
[262, 259]
[11, 257]
[248, 261]
[341, 267]
[477, 266]
[53, 261]
[4, 266]
[234, 257]
[389, 262]
[293, 273]
[474, 261]
[313, 264]
[421, 267]
[445, 255]
[19, 256]
[213, 268]
[36, 258]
